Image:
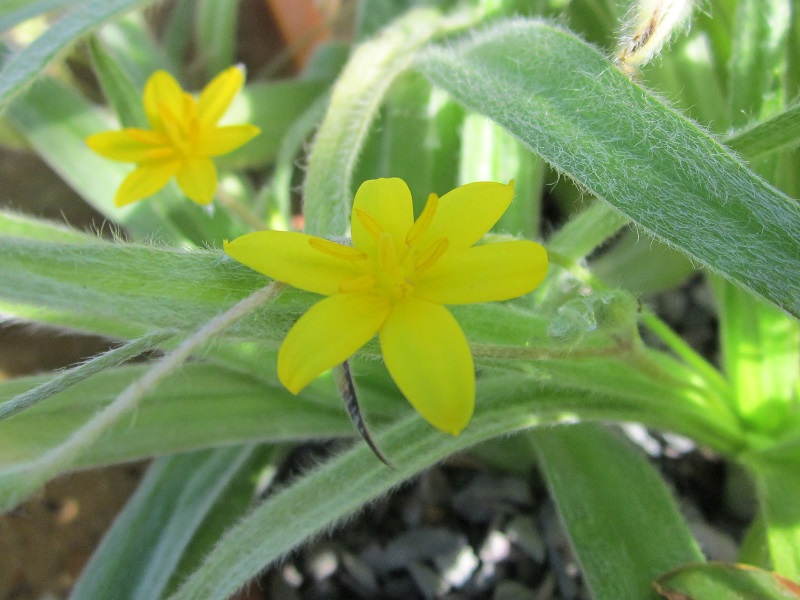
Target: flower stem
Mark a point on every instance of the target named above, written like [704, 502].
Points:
[242, 211]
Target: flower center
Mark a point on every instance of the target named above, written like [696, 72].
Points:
[183, 130]
[393, 267]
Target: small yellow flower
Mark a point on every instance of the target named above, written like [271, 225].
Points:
[183, 137]
[393, 281]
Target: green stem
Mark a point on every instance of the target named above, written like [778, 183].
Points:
[586, 231]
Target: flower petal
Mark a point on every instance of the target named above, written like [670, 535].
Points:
[197, 178]
[131, 145]
[484, 273]
[218, 94]
[386, 204]
[221, 140]
[289, 257]
[329, 333]
[429, 359]
[145, 180]
[160, 90]
[466, 213]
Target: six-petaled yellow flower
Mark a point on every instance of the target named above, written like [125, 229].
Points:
[183, 138]
[394, 281]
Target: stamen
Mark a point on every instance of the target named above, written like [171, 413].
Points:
[361, 283]
[387, 257]
[431, 254]
[335, 250]
[421, 225]
[369, 223]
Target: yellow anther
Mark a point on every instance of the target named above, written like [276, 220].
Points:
[360, 283]
[387, 257]
[373, 228]
[431, 254]
[421, 225]
[335, 250]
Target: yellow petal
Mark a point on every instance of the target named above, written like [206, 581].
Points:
[131, 145]
[329, 333]
[161, 90]
[218, 94]
[466, 213]
[145, 180]
[289, 257]
[384, 204]
[197, 178]
[221, 140]
[429, 359]
[484, 273]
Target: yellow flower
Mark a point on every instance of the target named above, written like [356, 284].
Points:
[393, 281]
[183, 137]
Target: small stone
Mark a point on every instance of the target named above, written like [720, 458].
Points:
[400, 588]
[322, 563]
[488, 494]
[361, 574]
[418, 545]
[715, 544]
[511, 590]
[292, 576]
[428, 581]
[457, 567]
[495, 548]
[523, 533]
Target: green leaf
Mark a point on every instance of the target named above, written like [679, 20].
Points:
[490, 153]
[200, 406]
[23, 67]
[68, 378]
[141, 551]
[14, 12]
[719, 581]
[780, 132]
[761, 357]
[758, 53]
[575, 109]
[318, 500]
[621, 517]
[273, 107]
[122, 94]
[354, 103]
[17, 225]
[216, 34]
[778, 487]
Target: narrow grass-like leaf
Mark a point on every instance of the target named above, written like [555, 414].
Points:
[621, 517]
[490, 153]
[14, 12]
[112, 358]
[216, 34]
[157, 524]
[122, 94]
[202, 405]
[22, 68]
[780, 132]
[761, 356]
[273, 107]
[22, 226]
[139, 554]
[356, 97]
[725, 582]
[576, 110]
[778, 487]
[300, 511]
[758, 54]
